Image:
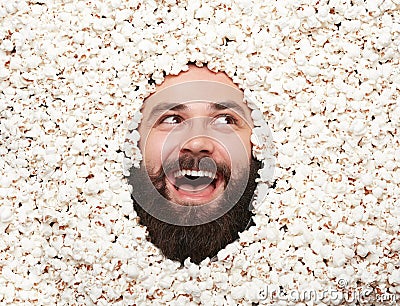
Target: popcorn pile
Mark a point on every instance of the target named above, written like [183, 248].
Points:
[324, 76]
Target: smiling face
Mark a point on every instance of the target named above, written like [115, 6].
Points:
[195, 185]
[196, 129]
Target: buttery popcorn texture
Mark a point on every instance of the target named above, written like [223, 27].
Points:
[323, 78]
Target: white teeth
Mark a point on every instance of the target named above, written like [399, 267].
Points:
[200, 173]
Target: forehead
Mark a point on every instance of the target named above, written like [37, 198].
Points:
[195, 85]
[195, 73]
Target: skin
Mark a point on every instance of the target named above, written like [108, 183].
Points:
[200, 129]
[195, 120]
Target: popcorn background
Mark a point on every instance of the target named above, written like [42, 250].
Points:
[324, 75]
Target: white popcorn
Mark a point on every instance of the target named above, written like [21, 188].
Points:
[6, 214]
[394, 277]
[322, 77]
[358, 127]
[4, 74]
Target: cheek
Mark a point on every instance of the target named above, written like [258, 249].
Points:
[245, 138]
[150, 146]
[156, 148]
[236, 147]
[249, 148]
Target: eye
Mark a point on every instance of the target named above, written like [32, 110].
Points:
[171, 119]
[224, 119]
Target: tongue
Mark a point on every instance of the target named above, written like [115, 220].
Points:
[187, 188]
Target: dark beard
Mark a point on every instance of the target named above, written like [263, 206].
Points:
[199, 241]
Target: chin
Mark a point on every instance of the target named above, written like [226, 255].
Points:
[205, 239]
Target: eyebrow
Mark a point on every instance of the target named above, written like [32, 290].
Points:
[215, 106]
[163, 107]
[228, 105]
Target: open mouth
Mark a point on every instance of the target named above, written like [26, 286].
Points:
[193, 186]
[193, 180]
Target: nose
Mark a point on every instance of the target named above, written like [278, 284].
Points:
[199, 145]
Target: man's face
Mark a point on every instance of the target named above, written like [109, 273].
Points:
[197, 178]
[194, 140]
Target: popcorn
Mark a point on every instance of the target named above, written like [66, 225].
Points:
[6, 214]
[321, 80]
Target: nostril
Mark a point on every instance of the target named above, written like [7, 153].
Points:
[203, 151]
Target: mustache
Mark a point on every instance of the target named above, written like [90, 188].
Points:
[188, 161]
